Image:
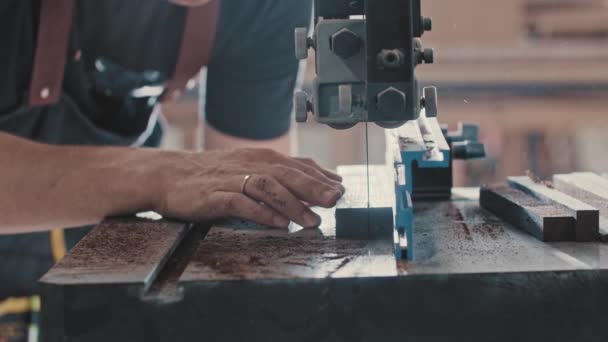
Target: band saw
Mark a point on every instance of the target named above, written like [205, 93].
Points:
[404, 256]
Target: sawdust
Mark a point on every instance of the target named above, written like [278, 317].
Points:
[122, 243]
[538, 180]
[241, 254]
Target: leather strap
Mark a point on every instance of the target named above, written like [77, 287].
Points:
[196, 47]
[52, 47]
[51, 51]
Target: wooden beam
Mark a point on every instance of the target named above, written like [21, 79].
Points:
[541, 219]
[355, 217]
[587, 217]
[589, 188]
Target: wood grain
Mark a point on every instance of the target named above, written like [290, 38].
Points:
[589, 188]
[540, 218]
[587, 217]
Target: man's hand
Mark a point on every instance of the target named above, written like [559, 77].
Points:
[254, 184]
[45, 187]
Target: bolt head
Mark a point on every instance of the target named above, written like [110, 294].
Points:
[428, 56]
[391, 101]
[345, 43]
[427, 24]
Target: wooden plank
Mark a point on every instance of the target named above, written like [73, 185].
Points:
[589, 188]
[120, 251]
[355, 217]
[587, 217]
[539, 218]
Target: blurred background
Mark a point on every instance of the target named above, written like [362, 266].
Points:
[532, 73]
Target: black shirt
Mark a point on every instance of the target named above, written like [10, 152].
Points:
[249, 82]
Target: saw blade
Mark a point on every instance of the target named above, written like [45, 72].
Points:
[367, 175]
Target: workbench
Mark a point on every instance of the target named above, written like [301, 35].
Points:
[480, 280]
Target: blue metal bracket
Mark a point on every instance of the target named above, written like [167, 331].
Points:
[422, 142]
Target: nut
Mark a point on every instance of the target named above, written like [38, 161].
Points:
[345, 43]
[391, 101]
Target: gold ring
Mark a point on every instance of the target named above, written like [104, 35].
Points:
[245, 184]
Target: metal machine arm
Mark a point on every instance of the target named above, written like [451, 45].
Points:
[366, 56]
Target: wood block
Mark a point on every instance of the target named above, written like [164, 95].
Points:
[541, 219]
[355, 217]
[587, 217]
[589, 188]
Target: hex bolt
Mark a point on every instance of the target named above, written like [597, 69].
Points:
[391, 100]
[345, 43]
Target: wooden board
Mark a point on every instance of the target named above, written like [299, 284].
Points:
[269, 285]
[589, 188]
[355, 217]
[539, 218]
[121, 250]
[587, 217]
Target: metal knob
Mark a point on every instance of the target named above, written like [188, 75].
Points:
[430, 102]
[302, 42]
[428, 56]
[425, 56]
[427, 24]
[301, 106]
[468, 150]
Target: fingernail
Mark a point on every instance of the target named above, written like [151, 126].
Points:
[341, 188]
[311, 220]
[280, 222]
[332, 195]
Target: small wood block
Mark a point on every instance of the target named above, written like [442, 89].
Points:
[589, 188]
[587, 217]
[355, 217]
[541, 219]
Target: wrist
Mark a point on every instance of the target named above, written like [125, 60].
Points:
[126, 180]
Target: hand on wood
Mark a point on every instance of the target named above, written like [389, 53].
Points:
[253, 184]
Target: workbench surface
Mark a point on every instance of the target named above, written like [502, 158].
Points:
[459, 238]
[474, 267]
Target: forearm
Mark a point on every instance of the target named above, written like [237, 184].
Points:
[45, 187]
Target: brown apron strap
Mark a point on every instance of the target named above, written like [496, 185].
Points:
[196, 46]
[51, 51]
